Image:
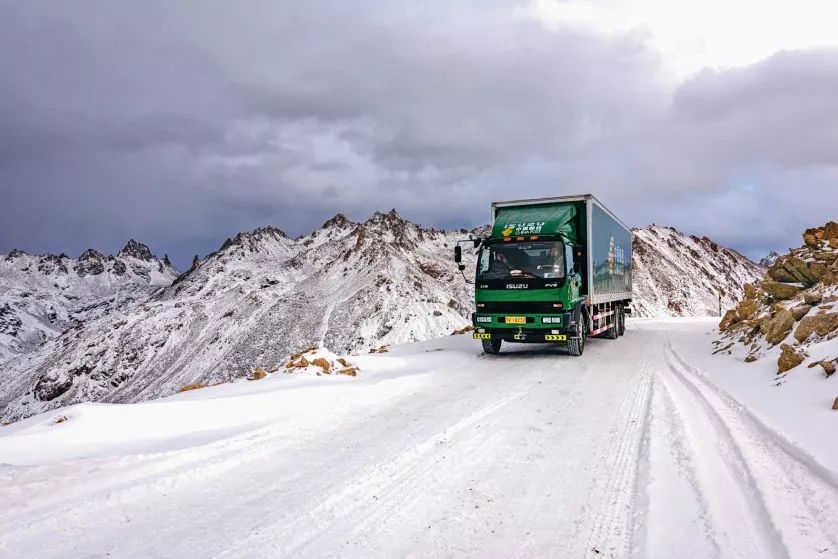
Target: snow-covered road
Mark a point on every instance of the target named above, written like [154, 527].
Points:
[632, 450]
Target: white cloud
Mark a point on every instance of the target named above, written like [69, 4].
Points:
[711, 33]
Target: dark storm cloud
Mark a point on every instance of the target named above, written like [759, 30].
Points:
[182, 123]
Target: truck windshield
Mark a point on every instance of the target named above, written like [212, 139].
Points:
[520, 260]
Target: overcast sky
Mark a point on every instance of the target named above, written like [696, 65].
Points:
[182, 123]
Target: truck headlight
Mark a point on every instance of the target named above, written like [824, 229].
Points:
[484, 319]
[551, 320]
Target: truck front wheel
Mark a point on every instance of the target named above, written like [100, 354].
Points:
[576, 345]
[492, 347]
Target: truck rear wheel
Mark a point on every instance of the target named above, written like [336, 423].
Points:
[492, 347]
[576, 345]
[611, 333]
[621, 321]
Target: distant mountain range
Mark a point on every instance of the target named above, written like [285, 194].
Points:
[43, 296]
[128, 328]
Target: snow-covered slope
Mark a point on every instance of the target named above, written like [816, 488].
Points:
[680, 275]
[346, 286]
[42, 296]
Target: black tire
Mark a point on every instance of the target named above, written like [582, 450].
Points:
[576, 345]
[621, 321]
[611, 333]
[492, 347]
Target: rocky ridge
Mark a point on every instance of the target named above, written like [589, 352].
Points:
[792, 314]
[42, 296]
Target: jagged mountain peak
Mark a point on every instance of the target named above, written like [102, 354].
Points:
[391, 218]
[770, 259]
[255, 240]
[340, 221]
[388, 229]
[136, 250]
[15, 253]
[91, 254]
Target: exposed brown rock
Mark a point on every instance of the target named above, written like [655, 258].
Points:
[194, 386]
[323, 364]
[747, 309]
[780, 291]
[828, 367]
[830, 231]
[751, 358]
[800, 311]
[751, 291]
[778, 273]
[801, 270]
[835, 405]
[826, 256]
[810, 237]
[349, 371]
[821, 324]
[258, 374]
[812, 298]
[779, 327]
[731, 317]
[789, 358]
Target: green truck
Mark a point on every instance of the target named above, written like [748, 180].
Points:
[553, 270]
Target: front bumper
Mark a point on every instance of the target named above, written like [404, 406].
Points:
[522, 336]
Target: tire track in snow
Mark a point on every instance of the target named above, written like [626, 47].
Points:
[741, 524]
[799, 495]
[606, 531]
[404, 474]
[668, 488]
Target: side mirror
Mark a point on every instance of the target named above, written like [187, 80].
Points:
[477, 242]
[458, 254]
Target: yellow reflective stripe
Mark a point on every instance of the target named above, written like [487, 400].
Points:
[482, 336]
[555, 338]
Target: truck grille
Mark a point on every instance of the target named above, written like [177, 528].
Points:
[519, 307]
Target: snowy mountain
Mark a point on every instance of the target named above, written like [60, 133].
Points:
[42, 296]
[680, 275]
[770, 260]
[346, 286]
[260, 297]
